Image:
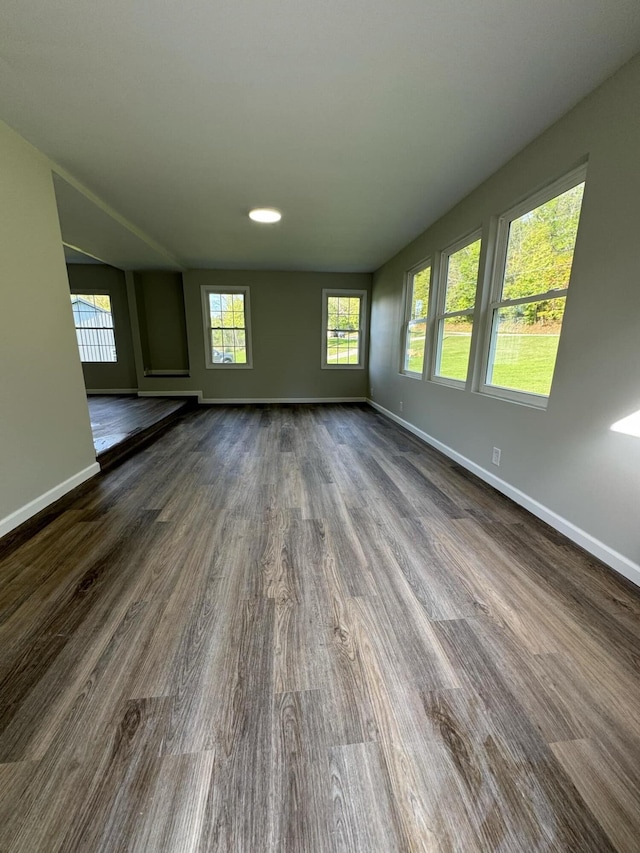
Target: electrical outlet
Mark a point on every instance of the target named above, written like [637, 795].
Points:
[372, 391]
[495, 458]
[401, 406]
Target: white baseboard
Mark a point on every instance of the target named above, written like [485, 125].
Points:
[15, 519]
[248, 400]
[242, 401]
[112, 390]
[594, 546]
[197, 394]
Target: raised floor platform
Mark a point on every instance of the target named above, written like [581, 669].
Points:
[121, 423]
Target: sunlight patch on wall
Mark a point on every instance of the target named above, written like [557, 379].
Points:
[629, 425]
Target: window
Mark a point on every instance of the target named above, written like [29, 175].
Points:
[534, 254]
[343, 323]
[227, 326]
[93, 320]
[416, 311]
[456, 305]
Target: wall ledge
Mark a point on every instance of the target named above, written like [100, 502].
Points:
[621, 564]
[24, 513]
[112, 390]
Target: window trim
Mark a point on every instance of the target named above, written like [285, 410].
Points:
[550, 191]
[427, 262]
[440, 303]
[205, 290]
[362, 340]
[97, 291]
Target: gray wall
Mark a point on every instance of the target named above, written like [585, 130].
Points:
[286, 315]
[161, 316]
[45, 436]
[87, 278]
[566, 457]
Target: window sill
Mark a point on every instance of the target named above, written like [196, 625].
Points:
[229, 366]
[529, 401]
[342, 367]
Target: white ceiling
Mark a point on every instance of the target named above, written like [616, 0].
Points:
[363, 120]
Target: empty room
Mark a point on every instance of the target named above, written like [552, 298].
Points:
[320, 427]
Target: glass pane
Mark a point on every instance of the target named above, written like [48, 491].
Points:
[420, 293]
[540, 246]
[343, 315]
[414, 349]
[343, 347]
[92, 309]
[94, 327]
[96, 344]
[524, 346]
[353, 348]
[454, 349]
[215, 302]
[462, 278]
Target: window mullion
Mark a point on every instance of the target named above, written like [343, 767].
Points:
[537, 297]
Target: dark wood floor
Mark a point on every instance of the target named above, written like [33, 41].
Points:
[299, 629]
[116, 417]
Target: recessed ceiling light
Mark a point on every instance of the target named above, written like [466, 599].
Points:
[265, 214]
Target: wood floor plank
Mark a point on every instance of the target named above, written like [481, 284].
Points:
[611, 794]
[299, 815]
[363, 817]
[299, 629]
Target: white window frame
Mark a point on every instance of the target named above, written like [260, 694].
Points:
[362, 336]
[97, 291]
[407, 322]
[549, 192]
[440, 315]
[206, 289]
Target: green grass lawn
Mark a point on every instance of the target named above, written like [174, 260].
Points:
[342, 350]
[522, 362]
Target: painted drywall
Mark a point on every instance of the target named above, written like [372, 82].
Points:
[161, 316]
[566, 458]
[95, 278]
[286, 320]
[45, 434]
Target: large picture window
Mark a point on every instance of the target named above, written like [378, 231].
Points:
[344, 328]
[456, 305]
[93, 320]
[227, 327]
[534, 255]
[416, 319]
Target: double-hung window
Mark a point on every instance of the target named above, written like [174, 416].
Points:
[227, 326]
[93, 321]
[416, 319]
[534, 254]
[456, 301]
[343, 328]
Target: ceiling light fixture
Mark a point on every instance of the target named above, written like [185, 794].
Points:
[265, 214]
